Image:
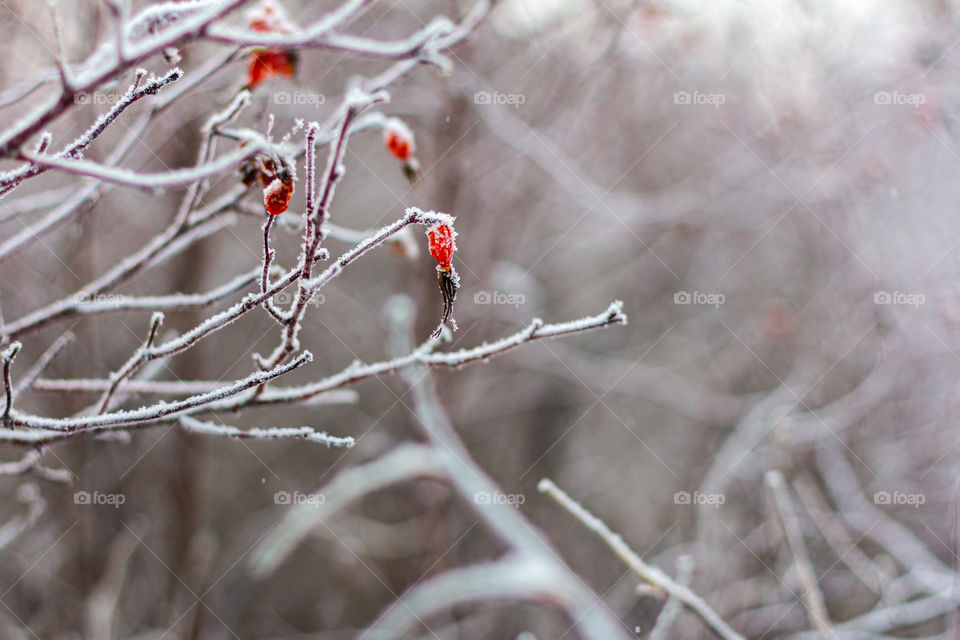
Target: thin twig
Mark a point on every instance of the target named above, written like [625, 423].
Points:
[651, 574]
[8, 355]
[130, 366]
[787, 516]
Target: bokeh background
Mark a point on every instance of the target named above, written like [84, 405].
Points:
[770, 187]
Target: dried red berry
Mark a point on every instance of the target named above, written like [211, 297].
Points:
[442, 245]
[276, 196]
[398, 138]
[267, 63]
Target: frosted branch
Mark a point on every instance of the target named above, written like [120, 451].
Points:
[281, 433]
[152, 413]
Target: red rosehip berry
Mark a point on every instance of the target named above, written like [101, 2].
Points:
[442, 245]
[398, 138]
[268, 62]
[276, 196]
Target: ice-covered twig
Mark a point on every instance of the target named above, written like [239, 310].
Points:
[651, 574]
[787, 517]
[167, 388]
[172, 302]
[423, 355]
[97, 71]
[45, 359]
[74, 150]
[268, 255]
[148, 181]
[7, 356]
[168, 243]
[279, 433]
[673, 606]
[144, 415]
[130, 366]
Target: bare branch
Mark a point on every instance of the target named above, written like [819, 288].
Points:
[130, 366]
[787, 516]
[651, 574]
[145, 415]
[8, 355]
[280, 433]
[42, 362]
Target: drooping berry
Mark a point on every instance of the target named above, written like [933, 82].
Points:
[267, 62]
[398, 138]
[276, 196]
[442, 245]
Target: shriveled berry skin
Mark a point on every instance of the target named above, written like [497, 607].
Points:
[442, 245]
[276, 196]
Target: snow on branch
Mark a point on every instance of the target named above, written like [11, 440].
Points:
[424, 355]
[301, 433]
[151, 413]
[74, 150]
[148, 181]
